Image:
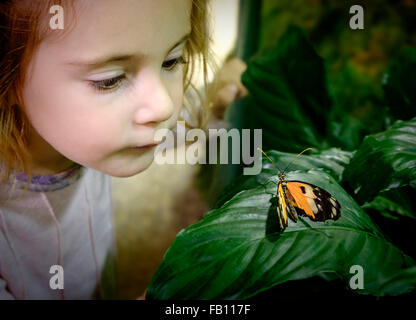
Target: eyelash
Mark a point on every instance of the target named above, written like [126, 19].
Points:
[176, 62]
[114, 83]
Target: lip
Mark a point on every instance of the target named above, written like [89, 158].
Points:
[148, 146]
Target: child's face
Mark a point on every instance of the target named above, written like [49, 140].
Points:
[96, 113]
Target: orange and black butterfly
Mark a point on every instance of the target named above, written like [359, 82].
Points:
[298, 198]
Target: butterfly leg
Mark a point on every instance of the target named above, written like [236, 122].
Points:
[292, 212]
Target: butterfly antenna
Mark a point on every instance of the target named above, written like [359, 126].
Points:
[269, 158]
[296, 158]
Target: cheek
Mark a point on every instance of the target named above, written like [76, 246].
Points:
[176, 94]
[69, 121]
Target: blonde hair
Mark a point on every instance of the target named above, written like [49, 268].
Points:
[22, 29]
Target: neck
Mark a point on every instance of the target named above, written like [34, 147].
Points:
[44, 159]
[52, 168]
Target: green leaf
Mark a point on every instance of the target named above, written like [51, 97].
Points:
[384, 161]
[400, 85]
[236, 251]
[393, 204]
[331, 161]
[394, 212]
[288, 95]
[358, 109]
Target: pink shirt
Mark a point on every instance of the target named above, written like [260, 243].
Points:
[64, 219]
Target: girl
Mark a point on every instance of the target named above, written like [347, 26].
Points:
[78, 105]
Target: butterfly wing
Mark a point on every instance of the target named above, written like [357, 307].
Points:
[312, 201]
[281, 207]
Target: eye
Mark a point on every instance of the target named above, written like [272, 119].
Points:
[108, 84]
[171, 64]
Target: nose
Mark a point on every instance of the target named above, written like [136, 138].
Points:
[152, 99]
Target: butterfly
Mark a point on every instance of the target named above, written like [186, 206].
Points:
[299, 198]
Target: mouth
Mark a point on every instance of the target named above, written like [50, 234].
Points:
[148, 146]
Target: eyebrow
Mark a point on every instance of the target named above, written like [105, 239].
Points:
[122, 57]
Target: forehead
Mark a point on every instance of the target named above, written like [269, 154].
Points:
[102, 26]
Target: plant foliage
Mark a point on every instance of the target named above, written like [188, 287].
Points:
[237, 251]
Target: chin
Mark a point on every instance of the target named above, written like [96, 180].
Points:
[130, 171]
